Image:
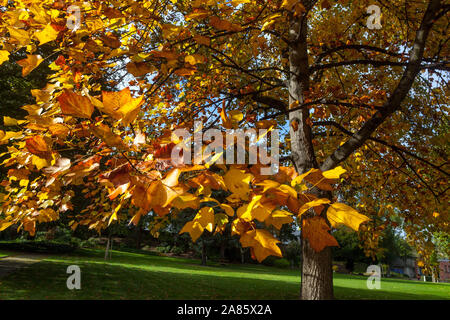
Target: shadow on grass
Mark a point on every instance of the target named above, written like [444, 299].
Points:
[134, 276]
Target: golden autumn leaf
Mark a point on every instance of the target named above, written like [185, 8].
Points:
[231, 119]
[312, 204]
[203, 220]
[194, 59]
[334, 173]
[139, 69]
[30, 63]
[238, 182]
[21, 36]
[289, 4]
[73, 104]
[268, 184]
[341, 214]
[223, 25]
[228, 209]
[278, 218]
[186, 201]
[245, 211]
[316, 230]
[198, 14]
[38, 146]
[202, 40]
[5, 224]
[4, 56]
[46, 35]
[111, 139]
[194, 228]
[8, 121]
[121, 105]
[262, 243]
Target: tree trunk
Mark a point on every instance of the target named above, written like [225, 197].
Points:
[317, 273]
[203, 253]
[223, 245]
[139, 237]
[107, 247]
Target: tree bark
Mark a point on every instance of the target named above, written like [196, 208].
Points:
[107, 247]
[203, 253]
[317, 273]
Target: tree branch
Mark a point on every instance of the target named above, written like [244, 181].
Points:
[397, 96]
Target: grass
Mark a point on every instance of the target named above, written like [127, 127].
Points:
[144, 276]
[4, 253]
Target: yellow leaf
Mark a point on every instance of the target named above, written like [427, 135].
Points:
[228, 209]
[38, 146]
[203, 220]
[339, 213]
[206, 218]
[194, 59]
[4, 56]
[73, 104]
[198, 14]
[220, 219]
[263, 244]
[268, 184]
[245, 212]
[312, 204]
[30, 63]
[236, 115]
[194, 229]
[186, 201]
[39, 162]
[278, 218]
[121, 105]
[334, 173]
[202, 40]
[46, 35]
[104, 132]
[7, 121]
[315, 229]
[21, 36]
[238, 182]
[270, 21]
[114, 215]
[5, 225]
[289, 4]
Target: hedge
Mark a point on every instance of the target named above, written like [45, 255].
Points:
[38, 246]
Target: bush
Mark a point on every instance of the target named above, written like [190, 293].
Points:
[360, 268]
[163, 249]
[41, 246]
[90, 243]
[269, 261]
[292, 252]
[177, 250]
[282, 263]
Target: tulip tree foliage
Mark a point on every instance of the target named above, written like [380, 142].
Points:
[363, 111]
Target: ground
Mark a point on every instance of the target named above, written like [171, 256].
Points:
[145, 276]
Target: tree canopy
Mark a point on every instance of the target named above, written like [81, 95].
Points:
[361, 106]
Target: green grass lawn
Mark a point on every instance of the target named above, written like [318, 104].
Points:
[4, 253]
[145, 276]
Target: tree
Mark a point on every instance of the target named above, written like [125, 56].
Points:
[370, 100]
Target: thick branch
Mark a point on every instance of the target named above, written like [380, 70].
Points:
[397, 96]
